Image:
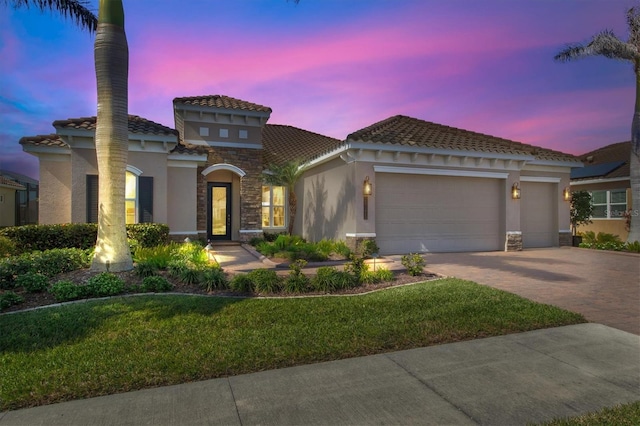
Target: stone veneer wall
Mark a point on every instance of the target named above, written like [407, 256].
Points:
[355, 243]
[566, 239]
[513, 242]
[250, 161]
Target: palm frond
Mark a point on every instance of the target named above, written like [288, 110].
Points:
[77, 10]
[603, 44]
[633, 22]
[286, 174]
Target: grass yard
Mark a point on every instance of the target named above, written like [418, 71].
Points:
[126, 343]
[620, 415]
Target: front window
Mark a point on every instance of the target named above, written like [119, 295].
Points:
[130, 197]
[609, 204]
[273, 207]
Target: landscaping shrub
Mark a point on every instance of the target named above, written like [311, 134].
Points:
[414, 263]
[633, 247]
[213, 278]
[66, 290]
[48, 263]
[176, 267]
[193, 254]
[159, 255]
[241, 283]
[377, 276]
[46, 237]
[105, 284]
[190, 275]
[266, 248]
[602, 241]
[265, 280]
[272, 236]
[329, 279]
[369, 247]
[32, 282]
[148, 234]
[7, 247]
[156, 284]
[296, 281]
[8, 299]
[356, 267]
[146, 268]
[341, 248]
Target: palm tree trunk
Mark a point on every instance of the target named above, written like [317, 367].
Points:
[112, 66]
[293, 208]
[634, 164]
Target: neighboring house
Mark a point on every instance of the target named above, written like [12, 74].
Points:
[412, 185]
[606, 176]
[8, 210]
[26, 198]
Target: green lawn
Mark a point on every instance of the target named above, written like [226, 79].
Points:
[126, 343]
[620, 415]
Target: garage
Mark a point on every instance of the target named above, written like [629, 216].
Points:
[538, 213]
[434, 213]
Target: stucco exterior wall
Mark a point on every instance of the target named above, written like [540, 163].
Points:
[181, 207]
[155, 165]
[7, 207]
[55, 189]
[83, 163]
[326, 201]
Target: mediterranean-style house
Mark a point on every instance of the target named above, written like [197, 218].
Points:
[606, 175]
[413, 185]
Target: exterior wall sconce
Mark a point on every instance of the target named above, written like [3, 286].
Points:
[566, 194]
[367, 190]
[515, 191]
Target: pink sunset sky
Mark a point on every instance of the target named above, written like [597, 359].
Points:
[334, 66]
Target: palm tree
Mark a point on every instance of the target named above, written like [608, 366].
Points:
[74, 9]
[286, 175]
[111, 54]
[608, 45]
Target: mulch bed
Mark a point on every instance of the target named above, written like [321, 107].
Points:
[131, 279]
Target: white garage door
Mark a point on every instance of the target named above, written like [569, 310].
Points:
[416, 213]
[538, 212]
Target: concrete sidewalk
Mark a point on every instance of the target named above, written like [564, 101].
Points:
[506, 380]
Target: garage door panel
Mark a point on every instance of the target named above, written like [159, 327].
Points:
[438, 213]
[538, 212]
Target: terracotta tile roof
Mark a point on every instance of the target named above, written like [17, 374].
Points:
[44, 140]
[136, 125]
[186, 148]
[6, 182]
[286, 143]
[408, 131]
[220, 101]
[617, 152]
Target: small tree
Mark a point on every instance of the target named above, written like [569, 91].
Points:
[581, 209]
[286, 175]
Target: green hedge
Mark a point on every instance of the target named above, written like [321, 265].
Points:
[79, 235]
[47, 263]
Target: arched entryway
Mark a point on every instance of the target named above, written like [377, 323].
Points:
[222, 201]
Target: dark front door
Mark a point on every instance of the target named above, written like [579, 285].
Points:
[219, 211]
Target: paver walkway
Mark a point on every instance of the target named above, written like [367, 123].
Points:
[603, 286]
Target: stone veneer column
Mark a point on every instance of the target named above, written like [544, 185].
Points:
[250, 161]
[513, 241]
[565, 238]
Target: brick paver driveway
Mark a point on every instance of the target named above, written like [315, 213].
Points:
[603, 286]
